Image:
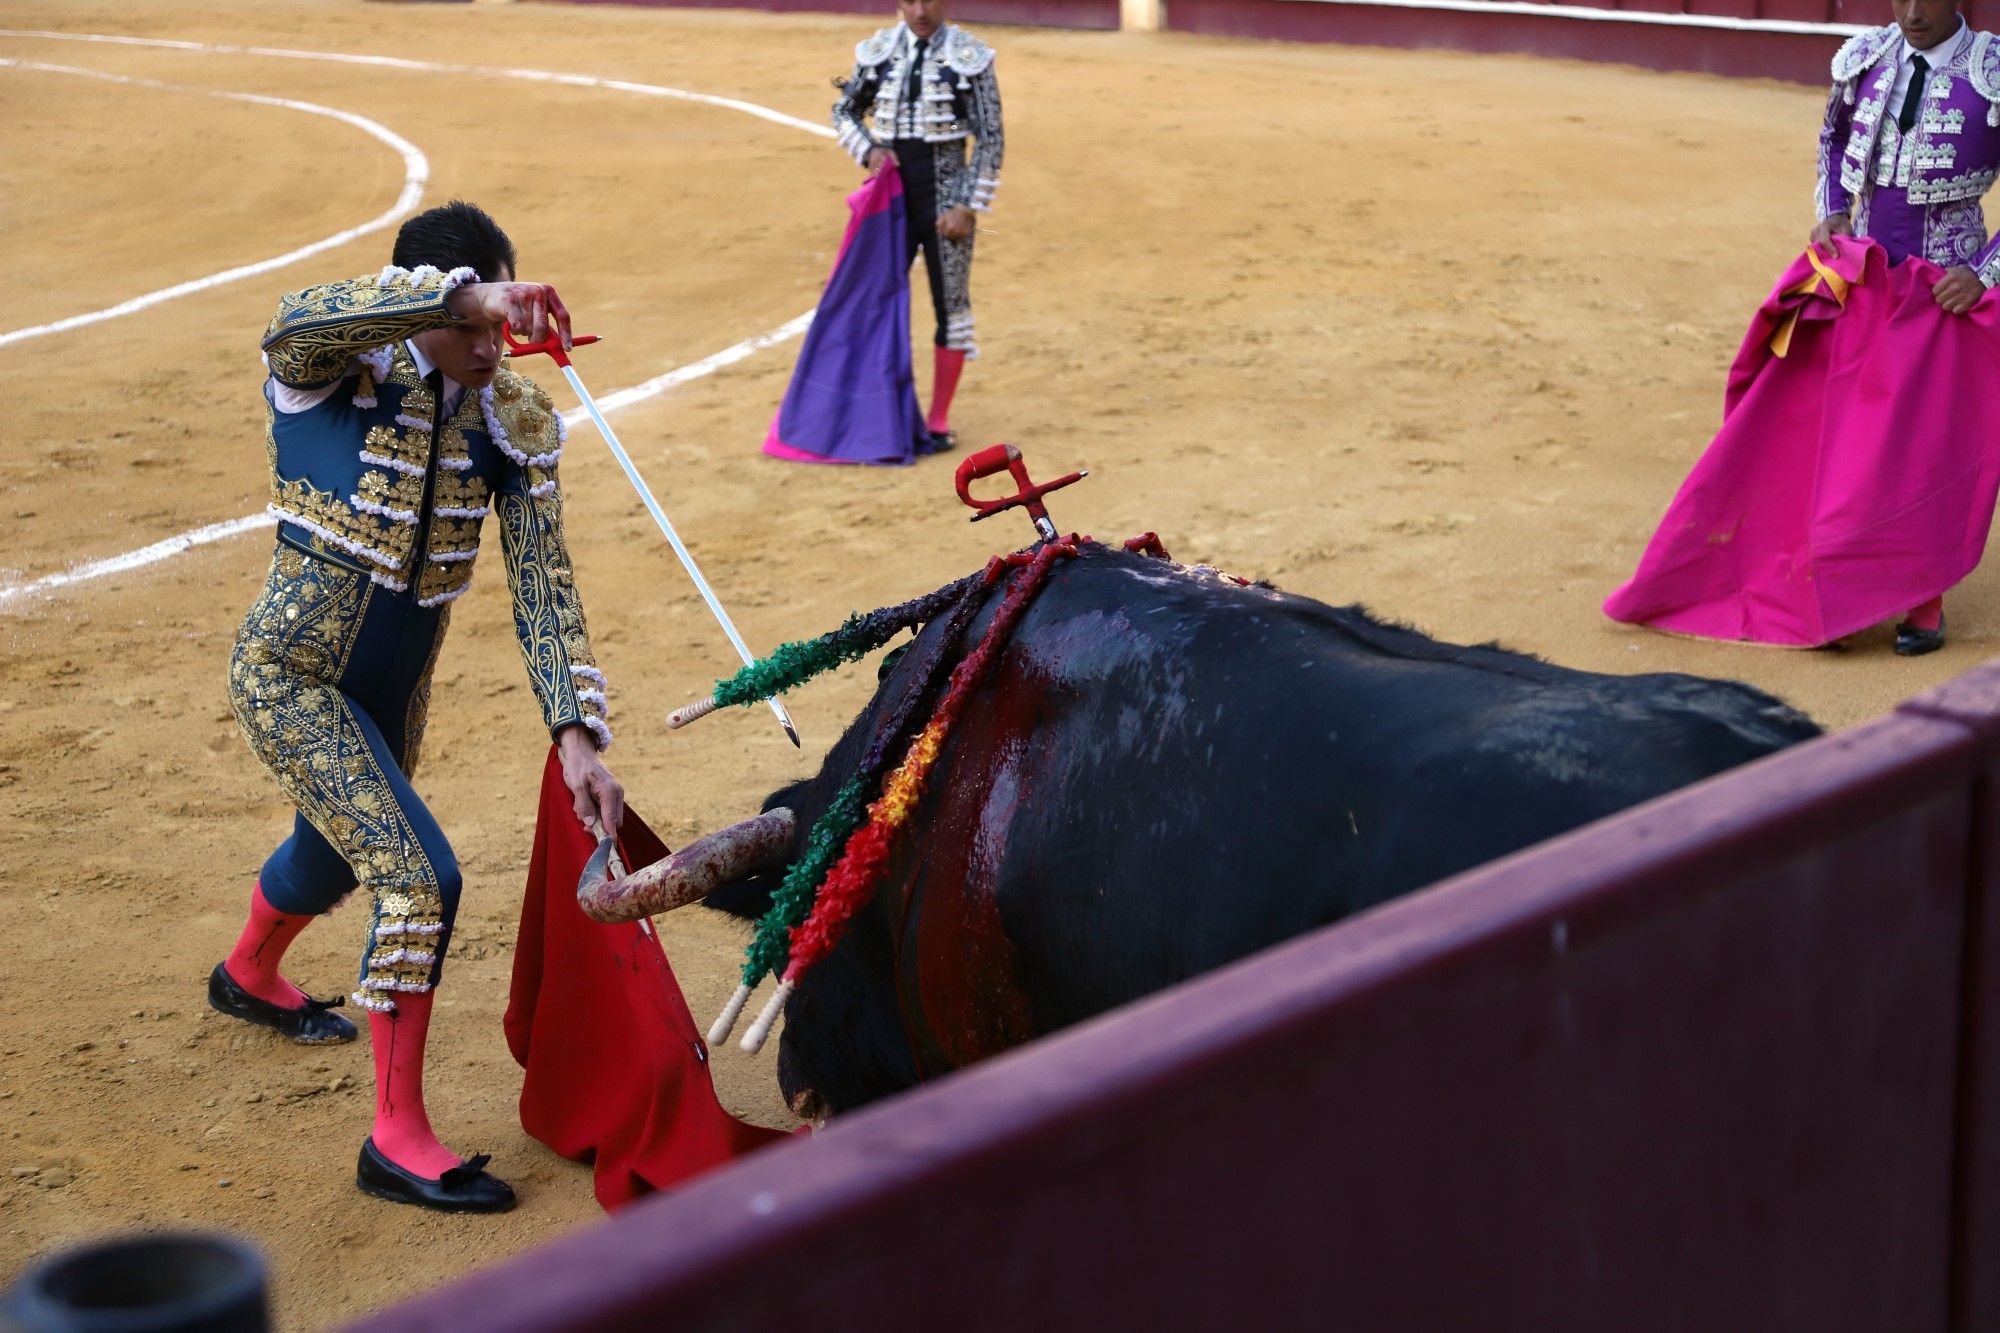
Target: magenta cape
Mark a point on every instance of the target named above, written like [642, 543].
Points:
[853, 398]
[1854, 476]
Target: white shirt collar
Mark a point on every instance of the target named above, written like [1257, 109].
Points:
[1940, 55]
[454, 392]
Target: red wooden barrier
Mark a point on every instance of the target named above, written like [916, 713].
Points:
[1721, 1062]
[1974, 701]
[1794, 56]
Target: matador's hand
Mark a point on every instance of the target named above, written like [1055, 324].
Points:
[1958, 290]
[529, 308]
[597, 796]
[955, 224]
[1832, 225]
[879, 158]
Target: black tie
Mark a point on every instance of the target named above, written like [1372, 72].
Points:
[1919, 68]
[913, 84]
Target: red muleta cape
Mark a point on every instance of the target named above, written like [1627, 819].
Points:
[616, 1071]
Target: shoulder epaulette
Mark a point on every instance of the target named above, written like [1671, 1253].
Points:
[876, 49]
[529, 429]
[966, 54]
[1861, 50]
[1985, 62]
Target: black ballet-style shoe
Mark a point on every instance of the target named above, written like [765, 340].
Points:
[466, 1188]
[311, 1024]
[1914, 642]
[938, 442]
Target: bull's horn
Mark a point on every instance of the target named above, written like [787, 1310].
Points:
[690, 874]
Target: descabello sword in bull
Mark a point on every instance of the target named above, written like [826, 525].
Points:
[552, 345]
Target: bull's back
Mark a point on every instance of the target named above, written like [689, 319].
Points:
[1169, 772]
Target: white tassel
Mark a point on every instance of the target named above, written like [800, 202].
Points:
[719, 1032]
[753, 1040]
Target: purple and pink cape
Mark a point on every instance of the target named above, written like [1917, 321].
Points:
[853, 396]
[1855, 473]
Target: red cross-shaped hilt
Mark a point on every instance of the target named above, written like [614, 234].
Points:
[552, 344]
[1006, 458]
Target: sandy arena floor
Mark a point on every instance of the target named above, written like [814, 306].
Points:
[1433, 332]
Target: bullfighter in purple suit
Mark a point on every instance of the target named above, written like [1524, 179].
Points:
[1909, 146]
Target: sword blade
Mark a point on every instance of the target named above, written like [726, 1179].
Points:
[673, 540]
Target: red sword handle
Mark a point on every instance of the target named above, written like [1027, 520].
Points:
[998, 458]
[552, 345]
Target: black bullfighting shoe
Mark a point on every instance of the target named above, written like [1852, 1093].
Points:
[940, 442]
[1914, 642]
[311, 1024]
[466, 1188]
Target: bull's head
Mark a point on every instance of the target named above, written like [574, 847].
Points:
[689, 875]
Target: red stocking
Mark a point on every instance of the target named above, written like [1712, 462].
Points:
[253, 963]
[949, 365]
[1928, 616]
[403, 1131]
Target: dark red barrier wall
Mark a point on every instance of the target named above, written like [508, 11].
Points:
[1725, 1062]
[1794, 57]
[1099, 14]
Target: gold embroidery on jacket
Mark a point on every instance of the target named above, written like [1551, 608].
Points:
[313, 338]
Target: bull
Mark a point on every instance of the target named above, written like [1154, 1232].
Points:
[1169, 770]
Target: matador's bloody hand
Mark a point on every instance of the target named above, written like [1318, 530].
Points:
[597, 797]
[1958, 290]
[528, 308]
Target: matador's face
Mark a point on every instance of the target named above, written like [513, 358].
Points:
[1925, 23]
[923, 16]
[469, 351]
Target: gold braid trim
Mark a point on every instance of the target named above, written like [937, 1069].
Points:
[317, 333]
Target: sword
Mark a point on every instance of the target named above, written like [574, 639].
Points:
[552, 345]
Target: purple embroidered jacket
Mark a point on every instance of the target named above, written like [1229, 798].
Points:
[1921, 189]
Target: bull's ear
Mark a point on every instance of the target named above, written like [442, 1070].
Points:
[748, 898]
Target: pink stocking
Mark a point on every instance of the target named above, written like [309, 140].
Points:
[1928, 616]
[403, 1131]
[253, 963]
[949, 365]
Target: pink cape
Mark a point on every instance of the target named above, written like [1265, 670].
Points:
[1855, 473]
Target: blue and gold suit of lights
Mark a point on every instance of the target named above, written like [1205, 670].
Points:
[380, 498]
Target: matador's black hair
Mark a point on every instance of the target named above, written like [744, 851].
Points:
[455, 235]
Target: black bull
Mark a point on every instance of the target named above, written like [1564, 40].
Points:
[1167, 771]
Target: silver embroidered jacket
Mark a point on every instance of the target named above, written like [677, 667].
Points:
[955, 97]
[360, 480]
[1947, 161]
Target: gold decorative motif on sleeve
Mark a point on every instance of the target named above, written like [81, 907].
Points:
[317, 333]
[548, 614]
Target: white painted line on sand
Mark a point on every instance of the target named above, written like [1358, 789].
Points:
[416, 171]
[611, 402]
[438, 67]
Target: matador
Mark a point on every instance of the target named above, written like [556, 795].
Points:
[393, 432]
[918, 92]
